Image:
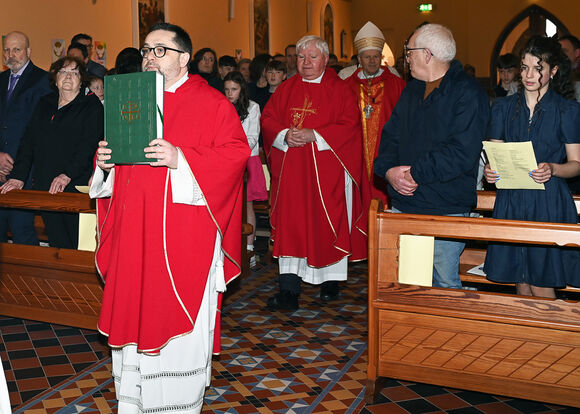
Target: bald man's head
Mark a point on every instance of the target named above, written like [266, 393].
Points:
[16, 50]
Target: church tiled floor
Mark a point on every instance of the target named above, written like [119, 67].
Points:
[309, 361]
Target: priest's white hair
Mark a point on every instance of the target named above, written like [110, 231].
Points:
[438, 39]
[318, 42]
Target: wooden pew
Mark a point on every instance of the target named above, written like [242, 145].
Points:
[511, 345]
[54, 285]
[472, 257]
[486, 201]
[44, 283]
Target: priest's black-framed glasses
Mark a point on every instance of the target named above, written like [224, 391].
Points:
[158, 51]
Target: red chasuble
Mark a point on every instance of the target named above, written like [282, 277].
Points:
[155, 255]
[385, 91]
[308, 213]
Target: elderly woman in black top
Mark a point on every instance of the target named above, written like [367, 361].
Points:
[59, 144]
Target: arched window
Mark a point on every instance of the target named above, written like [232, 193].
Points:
[388, 57]
[534, 20]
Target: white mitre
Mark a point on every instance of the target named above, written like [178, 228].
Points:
[369, 37]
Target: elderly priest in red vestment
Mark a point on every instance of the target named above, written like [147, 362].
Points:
[169, 238]
[377, 91]
[313, 141]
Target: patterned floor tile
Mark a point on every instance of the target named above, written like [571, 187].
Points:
[312, 360]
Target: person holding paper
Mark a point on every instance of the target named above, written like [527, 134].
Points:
[169, 238]
[545, 113]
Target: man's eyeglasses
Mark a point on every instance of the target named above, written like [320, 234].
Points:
[407, 50]
[158, 51]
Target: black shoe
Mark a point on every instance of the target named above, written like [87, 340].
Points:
[329, 291]
[284, 300]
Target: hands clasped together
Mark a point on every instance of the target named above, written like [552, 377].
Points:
[401, 180]
[299, 137]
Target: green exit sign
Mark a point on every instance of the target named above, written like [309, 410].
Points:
[425, 7]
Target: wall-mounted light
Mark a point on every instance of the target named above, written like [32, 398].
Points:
[425, 7]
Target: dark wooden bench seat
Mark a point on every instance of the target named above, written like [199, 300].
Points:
[54, 285]
[490, 342]
[472, 257]
[45, 283]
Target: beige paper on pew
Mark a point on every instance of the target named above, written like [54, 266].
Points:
[87, 232]
[416, 260]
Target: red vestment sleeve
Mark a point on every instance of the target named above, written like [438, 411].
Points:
[218, 169]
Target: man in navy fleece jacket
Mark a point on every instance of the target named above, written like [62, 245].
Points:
[430, 146]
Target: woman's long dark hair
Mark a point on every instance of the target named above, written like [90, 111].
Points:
[243, 101]
[549, 50]
[193, 66]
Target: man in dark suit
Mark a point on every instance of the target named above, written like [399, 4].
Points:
[20, 88]
[94, 68]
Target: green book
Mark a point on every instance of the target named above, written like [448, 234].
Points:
[133, 115]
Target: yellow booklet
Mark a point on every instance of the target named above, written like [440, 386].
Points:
[416, 260]
[87, 232]
[513, 161]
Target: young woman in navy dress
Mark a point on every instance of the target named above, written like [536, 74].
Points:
[544, 113]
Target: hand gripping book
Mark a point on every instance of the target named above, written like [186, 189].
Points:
[133, 115]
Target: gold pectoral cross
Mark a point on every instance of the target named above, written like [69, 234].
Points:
[299, 114]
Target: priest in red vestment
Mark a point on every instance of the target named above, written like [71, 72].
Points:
[170, 237]
[377, 90]
[319, 197]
